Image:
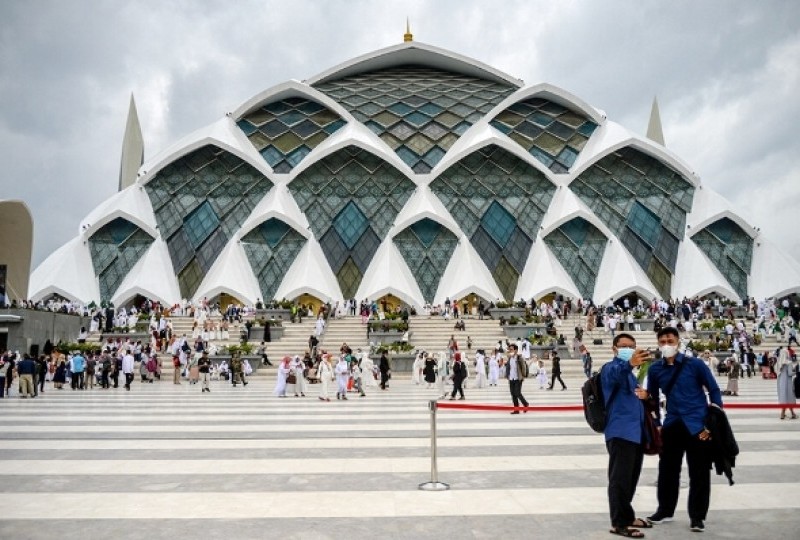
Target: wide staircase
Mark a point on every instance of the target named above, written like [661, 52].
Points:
[432, 334]
[344, 330]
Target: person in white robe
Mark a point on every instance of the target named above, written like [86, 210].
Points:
[325, 375]
[342, 371]
[441, 373]
[300, 386]
[480, 370]
[494, 369]
[283, 371]
[416, 369]
[368, 368]
[541, 376]
[319, 326]
[248, 369]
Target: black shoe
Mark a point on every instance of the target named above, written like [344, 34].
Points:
[697, 526]
[514, 412]
[659, 518]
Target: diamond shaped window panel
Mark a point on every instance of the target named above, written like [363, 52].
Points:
[499, 201]
[579, 246]
[641, 200]
[731, 251]
[115, 248]
[271, 248]
[552, 134]
[217, 190]
[284, 132]
[499, 223]
[416, 95]
[351, 198]
[426, 247]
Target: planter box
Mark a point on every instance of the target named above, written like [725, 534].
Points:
[507, 313]
[540, 350]
[257, 334]
[399, 363]
[706, 335]
[274, 313]
[255, 361]
[644, 324]
[522, 331]
[377, 336]
[144, 337]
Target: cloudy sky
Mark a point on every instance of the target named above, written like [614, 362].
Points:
[726, 73]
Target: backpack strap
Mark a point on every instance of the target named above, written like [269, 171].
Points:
[671, 383]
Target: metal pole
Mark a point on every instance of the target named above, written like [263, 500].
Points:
[434, 484]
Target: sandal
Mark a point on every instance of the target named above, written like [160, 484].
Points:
[641, 524]
[627, 532]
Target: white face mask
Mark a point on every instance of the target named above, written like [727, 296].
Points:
[668, 351]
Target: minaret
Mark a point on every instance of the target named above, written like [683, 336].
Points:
[408, 36]
[654, 131]
[132, 149]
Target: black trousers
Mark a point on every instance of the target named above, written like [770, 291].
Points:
[384, 379]
[457, 388]
[128, 380]
[677, 442]
[516, 393]
[77, 380]
[556, 377]
[624, 466]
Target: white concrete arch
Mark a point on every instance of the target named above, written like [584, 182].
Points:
[277, 203]
[695, 275]
[68, 272]
[480, 136]
[423, 204]
[414, 53]
[543, 274]
[152, 276]
[286, 90]
[465, 274]
[708, 207]
[311, 274]
[565, 207]
[353, 134]
[657, 152]
[131, 204]
[223, 134]
[388, 273]
[231, 273]
[620, 274]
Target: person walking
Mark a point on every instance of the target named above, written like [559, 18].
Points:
[429, 370]
[26, 369]
[624, 434]
[459, 374]
[385, 370]
[204, 368]
[555, 371]
[688, 386]
[785, 368]
[494, 368]
[342, 371]
[325, 375]
[516, 372]
[480, 370]
[284, 368]
[127, 369]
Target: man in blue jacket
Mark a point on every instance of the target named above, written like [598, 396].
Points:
[624, 433]
[684, 381]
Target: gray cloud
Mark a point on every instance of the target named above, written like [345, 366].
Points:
[725, 72]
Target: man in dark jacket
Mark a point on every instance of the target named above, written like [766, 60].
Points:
[26, 370]
[459, 374]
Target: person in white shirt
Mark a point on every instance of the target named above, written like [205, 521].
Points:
[342, 371]
[480, 370]
[494, 368]
[325, 375]
[127, 368]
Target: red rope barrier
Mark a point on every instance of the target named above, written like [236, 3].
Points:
[573, 408]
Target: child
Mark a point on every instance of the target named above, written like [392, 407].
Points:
[542, 376]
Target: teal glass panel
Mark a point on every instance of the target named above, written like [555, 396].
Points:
[208, 192]
[350, 224]
[499, 223]
[644, 223]
[416, 94]
[426, 230]
[115, 248]
[271, 248]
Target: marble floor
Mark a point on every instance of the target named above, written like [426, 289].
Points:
[167, 461]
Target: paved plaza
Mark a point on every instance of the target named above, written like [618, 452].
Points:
[167, 461]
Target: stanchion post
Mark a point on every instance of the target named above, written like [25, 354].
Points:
[434, 484]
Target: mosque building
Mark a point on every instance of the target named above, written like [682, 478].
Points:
[415, 172]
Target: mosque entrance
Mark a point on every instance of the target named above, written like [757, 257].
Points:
[225, 300]
[389, 303]
[309, 302]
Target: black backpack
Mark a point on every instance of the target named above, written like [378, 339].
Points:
[594, 405]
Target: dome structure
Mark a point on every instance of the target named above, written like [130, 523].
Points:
[416, 172]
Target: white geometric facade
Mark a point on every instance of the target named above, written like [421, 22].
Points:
[416, 172]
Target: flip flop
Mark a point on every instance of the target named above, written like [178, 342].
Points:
[641, 524]
[627, 532]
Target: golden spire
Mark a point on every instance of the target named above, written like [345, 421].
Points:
[408, 36]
